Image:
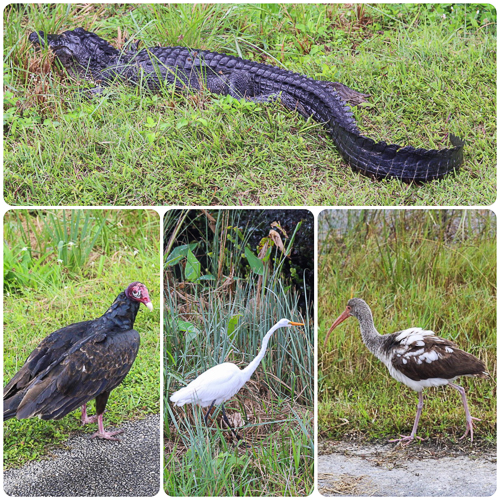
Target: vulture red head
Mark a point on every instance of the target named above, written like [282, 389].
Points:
[139, 293]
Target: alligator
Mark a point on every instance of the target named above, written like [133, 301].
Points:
[84, 54]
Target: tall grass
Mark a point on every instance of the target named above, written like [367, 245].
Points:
[435, 269]
[39, 250]
[225, 320]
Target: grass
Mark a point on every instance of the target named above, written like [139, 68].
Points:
[128, 250]
[428, 75]
[434, 269]
[224, 320]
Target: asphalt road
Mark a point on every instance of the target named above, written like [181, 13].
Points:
[385, 470]
[95, 467]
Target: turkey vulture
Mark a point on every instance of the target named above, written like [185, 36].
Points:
[78, 363]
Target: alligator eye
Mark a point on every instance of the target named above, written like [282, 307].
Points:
[136, 294]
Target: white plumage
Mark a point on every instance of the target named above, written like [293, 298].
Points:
[220, 383]
[216, 385]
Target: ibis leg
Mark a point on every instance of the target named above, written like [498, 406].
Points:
[408, 439]
[224, 416]
[208, 412]
[468, 418]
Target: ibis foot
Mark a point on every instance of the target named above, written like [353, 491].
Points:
[405, 440]
[470, 428]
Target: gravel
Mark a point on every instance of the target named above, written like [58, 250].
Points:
[386, 470]
[96, 467]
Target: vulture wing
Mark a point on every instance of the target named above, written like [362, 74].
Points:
[50, 349]
[93, 366]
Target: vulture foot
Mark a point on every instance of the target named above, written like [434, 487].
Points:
[106, 435]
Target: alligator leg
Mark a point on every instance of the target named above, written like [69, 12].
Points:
[286, 100]
[349, 95]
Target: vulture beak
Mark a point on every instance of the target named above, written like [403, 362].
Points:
[149, 305]
[346, 314]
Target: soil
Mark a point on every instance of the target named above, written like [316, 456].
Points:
[417, 470]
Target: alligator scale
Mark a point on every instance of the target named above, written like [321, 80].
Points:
[85, 54]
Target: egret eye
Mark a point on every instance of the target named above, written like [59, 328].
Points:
[136, 294]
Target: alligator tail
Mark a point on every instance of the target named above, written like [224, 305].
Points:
[382, 160]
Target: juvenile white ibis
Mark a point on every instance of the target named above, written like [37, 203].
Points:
[222, 382]
[416, 357]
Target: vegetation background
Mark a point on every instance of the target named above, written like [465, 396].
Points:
[430, 69]
[435, 269]
[220, 300]
[65, 266]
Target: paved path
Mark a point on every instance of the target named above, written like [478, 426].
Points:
[95, 467]
[383, 470]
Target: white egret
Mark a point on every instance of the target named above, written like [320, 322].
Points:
[222, 382]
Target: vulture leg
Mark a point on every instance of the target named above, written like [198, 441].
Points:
[405, 440]
[100, 406]
[85, 418]
[468, 418]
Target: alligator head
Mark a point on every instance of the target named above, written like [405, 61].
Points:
[82, 53]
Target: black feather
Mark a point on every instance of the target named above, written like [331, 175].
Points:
[76, 364]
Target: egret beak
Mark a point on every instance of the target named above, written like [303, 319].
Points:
[296, 324]
[149, 305]
[346, 314]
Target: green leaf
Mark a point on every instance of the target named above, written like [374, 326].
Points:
[255, 263]
[179, 253]
[182, 123]
[232, 324]
[191, 330]
[207, 277]
[193, 267]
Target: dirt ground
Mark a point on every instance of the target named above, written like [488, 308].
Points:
[364, 469]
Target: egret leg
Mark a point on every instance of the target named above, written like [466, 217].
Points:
[86, 419]
[468, 418]
[208, 412]
[224, 416]
[405, 440]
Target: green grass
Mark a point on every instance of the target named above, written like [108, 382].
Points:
[210, 322]
[432, 269]
[129, 251]
[427, 75]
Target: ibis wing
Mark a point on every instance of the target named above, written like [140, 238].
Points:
[421, 355]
